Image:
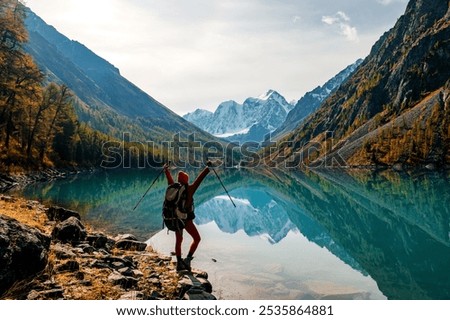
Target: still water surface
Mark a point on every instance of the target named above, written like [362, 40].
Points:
[326, 235]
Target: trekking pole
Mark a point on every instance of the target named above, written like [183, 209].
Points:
[220, 180]
[149, 188]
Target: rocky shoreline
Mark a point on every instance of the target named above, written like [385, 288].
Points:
[47, 253]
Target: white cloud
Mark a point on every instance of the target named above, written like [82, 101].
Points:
[296, 19]
[329, 20]
[343, 16]
[342, 22]
[350, 33]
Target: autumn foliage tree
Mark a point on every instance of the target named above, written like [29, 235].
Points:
[38, 124]
[20, 79]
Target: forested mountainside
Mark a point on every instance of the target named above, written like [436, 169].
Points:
[38, 124]
[60, 103]
[104, 99]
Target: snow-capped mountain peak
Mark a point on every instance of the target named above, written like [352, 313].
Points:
[267, 112]
[268, 94]
[198, 114]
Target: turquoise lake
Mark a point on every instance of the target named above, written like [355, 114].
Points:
[296, 235]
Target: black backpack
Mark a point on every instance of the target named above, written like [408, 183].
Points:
[174, 214]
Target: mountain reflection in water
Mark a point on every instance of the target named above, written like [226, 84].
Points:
[297, 235]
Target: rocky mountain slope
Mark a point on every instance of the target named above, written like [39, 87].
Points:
[371, 115]
[313, 99]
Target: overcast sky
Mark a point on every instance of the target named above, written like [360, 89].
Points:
[192, 54]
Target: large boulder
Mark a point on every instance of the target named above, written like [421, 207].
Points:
[195, 286]
[23, 252]
[196, 293]
[55, 213]
[189, 281]
[70, 230]
[123, 281]
[131, 245]
[129, 242]
[97, 240]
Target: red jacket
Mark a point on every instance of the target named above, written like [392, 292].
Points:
[191, 188]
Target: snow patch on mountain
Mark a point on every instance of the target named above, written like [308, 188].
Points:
[235, 121]
[244, 202]
[229, 134]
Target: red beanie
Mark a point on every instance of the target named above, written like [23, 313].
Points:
[183, 177]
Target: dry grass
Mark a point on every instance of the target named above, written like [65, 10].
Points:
[89, 283]
[28, 212]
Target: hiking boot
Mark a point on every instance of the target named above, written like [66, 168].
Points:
[181, 266]
[187, 262]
